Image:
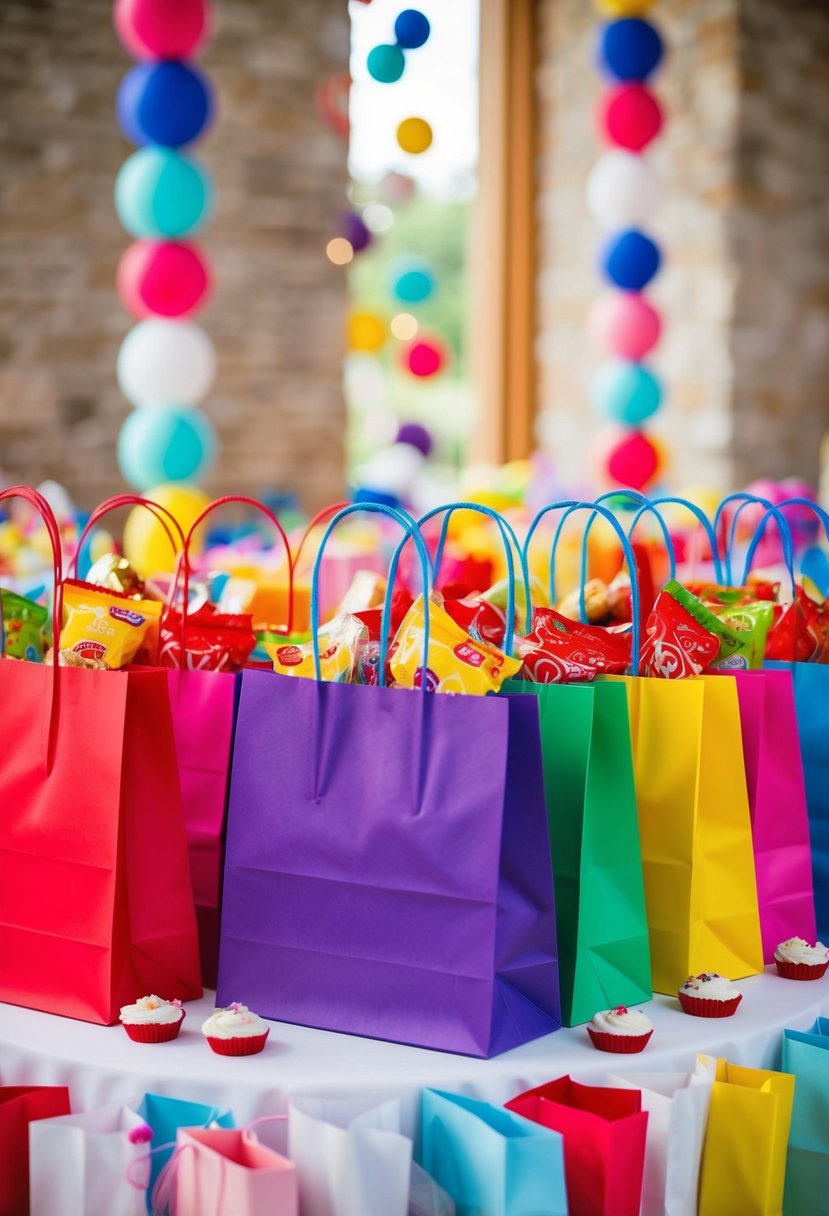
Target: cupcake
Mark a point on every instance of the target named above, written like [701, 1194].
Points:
[797, 960]
[152, 1020]
[235, 1031]
[709, 995]
[620, 1030]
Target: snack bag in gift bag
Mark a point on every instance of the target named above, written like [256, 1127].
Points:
[603, 1131]
[84, 1164]
[350, 1156]
[744, 1158]
[226, 1172]
[20, 1106]
[165, 1116]
[492, 1162]
[806, 1057]
[677, 1109]
[91, 832]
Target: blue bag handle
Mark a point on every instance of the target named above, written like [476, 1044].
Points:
[785, 532]
[745, 499]
[569, 507]
[507, 534]
[410, 528]
[644, 505]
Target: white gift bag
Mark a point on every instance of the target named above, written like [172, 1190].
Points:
[350, 1157]
[677, 1105]
[87, 1165]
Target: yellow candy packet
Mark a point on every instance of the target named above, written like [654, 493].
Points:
[339, 642]
[455, 663]
[106, 625]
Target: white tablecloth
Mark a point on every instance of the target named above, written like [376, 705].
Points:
[102, 1067]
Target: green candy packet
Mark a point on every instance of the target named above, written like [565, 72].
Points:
[24, 627]
[737, 649]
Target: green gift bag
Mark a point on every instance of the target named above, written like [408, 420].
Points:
[604, 957]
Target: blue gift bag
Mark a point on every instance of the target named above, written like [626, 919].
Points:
[806, 1055]
[491, 1161]
[165, 1116]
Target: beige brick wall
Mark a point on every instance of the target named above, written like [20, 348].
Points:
[277, 316]
[744, 228]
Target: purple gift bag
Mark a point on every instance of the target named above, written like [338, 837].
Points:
[777, 798]
[388, 869]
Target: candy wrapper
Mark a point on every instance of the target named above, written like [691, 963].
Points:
[559, 651]
[751, 621]
[716, 593]
[604, 603]
[116, 574]
[800, 631]
[455, 662]
[213, 641]
[367, 590]
[103, 624]
[24, 627]
[483, 622]
[271, 635]
[683, 638]
[338, 643]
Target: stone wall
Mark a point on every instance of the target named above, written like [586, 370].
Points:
[744, 288]
[277, 315]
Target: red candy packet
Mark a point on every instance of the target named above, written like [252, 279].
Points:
[213, 641]
[561, 651]
[800, 631]
[482, 621]
[683, 638]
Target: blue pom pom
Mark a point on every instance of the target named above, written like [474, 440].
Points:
[630, 49]
[159, 193]
[167, 103]
[630, 260]
[158, 444]
[411, 29]
[626, 392]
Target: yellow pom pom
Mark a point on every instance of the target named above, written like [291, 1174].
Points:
[624, 8]
[414, 135]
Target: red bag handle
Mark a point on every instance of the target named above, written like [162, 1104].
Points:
[321, 517]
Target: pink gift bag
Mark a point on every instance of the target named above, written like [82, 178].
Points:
[777, 798]
[225, 1172]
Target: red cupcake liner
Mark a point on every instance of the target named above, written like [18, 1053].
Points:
[703, 1007]
[620, 1044]
[239, 1046]
[801, 971]
[154, 1032]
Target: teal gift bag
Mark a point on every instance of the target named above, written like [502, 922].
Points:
[165, 1116]
[806, 1055]
[491, 1161]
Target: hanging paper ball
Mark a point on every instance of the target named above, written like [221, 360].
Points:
[146, 545]
[414, 135]
[630, 260]
[626, 392]
[332, 103]
[412, 281]
[417, 436]
[161, 29]
[367, 333]
[629, 116]
[624, 8]
[385, 63]
[158, 445]
[162, 278]
[354, 229]
[623, 191]
[411, 29]
[425, 357]
[630, 49]
[159, 193]
[169, 363]
[624, 324]
[634, 462]
[164, 103]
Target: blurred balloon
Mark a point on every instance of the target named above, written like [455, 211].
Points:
[392, 470]
[624, 8]
[385, 63]
[366, 332]
[629, 116]
[165, 445]
[623, 191]
[412, 280]
[634, 462]
[630, 260]
[332, 103]
[626, 392]
[411, 29]
[353, 229]
[166, 103]
[166, 363]
[163, 278]
[397, 187]
[417, 435]
[630, 49]
[624, 324]
[162, 29]
[414, 135]
[146, 545]
[159, 193]
[424, 357]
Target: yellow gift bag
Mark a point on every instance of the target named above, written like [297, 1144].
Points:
[695, 828]
[744, 1156]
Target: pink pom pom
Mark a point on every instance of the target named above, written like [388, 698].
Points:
[161, 29]
[163, 278]
[624, 324]
[142, 1134]
[629, 116]
[425, 357]
[634, 462]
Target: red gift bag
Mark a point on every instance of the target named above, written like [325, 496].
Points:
[604, 1142]
[19, 1106]
[96, 906]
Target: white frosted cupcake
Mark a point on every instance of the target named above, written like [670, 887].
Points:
[709, 995]
[620, 1030]
[235, 1031]
[152, 1020]
[797, 960]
